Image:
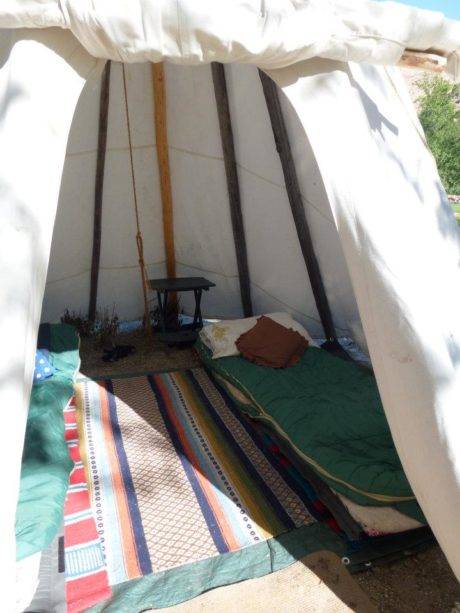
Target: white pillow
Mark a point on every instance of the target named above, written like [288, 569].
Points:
[222, 336]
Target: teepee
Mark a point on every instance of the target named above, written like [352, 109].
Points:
[385, 240]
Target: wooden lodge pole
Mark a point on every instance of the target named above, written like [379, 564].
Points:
[236, 213]
[99, 189]
[161, 135]
[430, 62]
[297, 207]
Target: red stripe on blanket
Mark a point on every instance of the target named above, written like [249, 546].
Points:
[81, 532]
[78, 475]
[78, 502]
[74, 453]
[93, 589]
[71, 433]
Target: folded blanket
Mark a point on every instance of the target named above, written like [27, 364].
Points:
[46, 463]
[270, 344]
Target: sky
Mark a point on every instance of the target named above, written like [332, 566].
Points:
[450, 8]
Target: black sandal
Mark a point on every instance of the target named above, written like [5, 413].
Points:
[118, 353]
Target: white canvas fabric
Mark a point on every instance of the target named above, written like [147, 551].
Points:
[204, 244]
[269, 33]
[402, 247]
[41, 76]
[376, 521]
[396, 231]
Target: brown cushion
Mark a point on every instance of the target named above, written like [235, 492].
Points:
[269, 343]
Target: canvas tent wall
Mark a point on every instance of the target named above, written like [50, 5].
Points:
[203, 235]
[410, 319]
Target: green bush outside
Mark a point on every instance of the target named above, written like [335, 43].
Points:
[440, 117]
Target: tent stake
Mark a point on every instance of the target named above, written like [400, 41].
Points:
[99, 189]
[236, 213]
[297, 207]
[161, 135]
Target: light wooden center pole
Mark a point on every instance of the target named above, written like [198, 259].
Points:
[161, 135]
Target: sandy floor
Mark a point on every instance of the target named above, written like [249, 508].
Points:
[423, 583]
[318, 583]
[150, 355]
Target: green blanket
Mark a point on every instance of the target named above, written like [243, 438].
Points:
[46, 464]
[330, 413]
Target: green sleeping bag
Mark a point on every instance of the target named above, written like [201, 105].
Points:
[329, 412]
[46, 464]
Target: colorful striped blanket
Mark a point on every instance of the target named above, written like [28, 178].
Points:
[176, 474]
[86, 577]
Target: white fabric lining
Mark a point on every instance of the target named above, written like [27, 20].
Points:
[201, 31]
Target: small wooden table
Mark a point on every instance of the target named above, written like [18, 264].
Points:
[187, 333]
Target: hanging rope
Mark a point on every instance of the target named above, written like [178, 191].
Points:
[139, 240]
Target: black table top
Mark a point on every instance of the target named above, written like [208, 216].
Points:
[180, 284]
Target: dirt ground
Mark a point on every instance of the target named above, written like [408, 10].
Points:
[150, 355]
[422, 582]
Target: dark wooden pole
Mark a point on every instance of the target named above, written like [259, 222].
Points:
[99, 189]
[228, 146]
[295, 199]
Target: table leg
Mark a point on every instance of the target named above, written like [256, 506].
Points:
[197, 317]
[162, 306]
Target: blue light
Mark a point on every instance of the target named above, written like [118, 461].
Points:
[450, 8]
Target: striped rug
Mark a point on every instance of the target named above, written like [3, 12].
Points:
[176, 475]
[86, 580]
